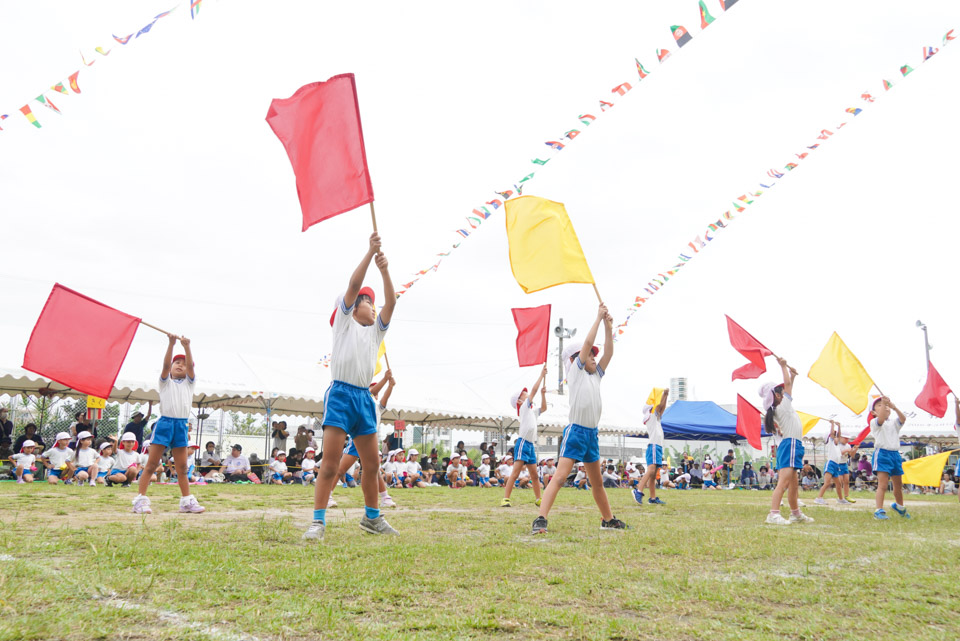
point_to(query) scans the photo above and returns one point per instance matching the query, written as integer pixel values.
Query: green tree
(246, 424)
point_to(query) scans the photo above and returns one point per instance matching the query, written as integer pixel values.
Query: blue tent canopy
(700, 421)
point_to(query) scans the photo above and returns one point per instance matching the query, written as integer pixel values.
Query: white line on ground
(176, 619)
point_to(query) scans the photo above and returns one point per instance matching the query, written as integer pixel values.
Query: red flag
(319, 127)
(933, 396)
(749, 422)
(79, 342)
(750, 348)
(862, 435)
(533, 333)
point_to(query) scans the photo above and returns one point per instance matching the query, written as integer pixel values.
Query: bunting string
(740, 203)
(482, 213)
(72, 81)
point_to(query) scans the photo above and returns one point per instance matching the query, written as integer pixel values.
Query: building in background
(678, 390)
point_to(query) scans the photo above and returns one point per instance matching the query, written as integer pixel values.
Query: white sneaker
(332, 502)
(189, 505)
(387, 501)
(844, 502)
(141, 505)
(775, 518)
(819, 501)
(801, 503)
(314, 532)
(803, 518)
(92, 483)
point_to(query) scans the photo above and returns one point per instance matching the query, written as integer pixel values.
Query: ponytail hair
(768, 417)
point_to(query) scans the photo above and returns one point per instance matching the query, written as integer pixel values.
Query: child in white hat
(308, 466)
(581, 441)
(59, 460)
(524, 450)
(86, 458)
(887, 463)
(483, 472)
(105, 462)
(414, 470)
(126, 464)
(24, 461)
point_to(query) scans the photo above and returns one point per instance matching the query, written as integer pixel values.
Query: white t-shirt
(26, 460)
(390, 467)
(308, 464)
(209, 459)
(683, 478)
(580, 475)
(125, 459)
(413, 468)
(236, 463)
(654, 429)
(528, 421)
(354, 354)
(86, 458)
(58, 457)
(105, 463)
(609, 476)
(524, 473)
(549, 470)
(484, 470)
(453, 468)
(833, 451)
(504, 470)
(786, 417)
(278, 467)
(632, 471)
(176, 396)
(886, 436)
(585, 404)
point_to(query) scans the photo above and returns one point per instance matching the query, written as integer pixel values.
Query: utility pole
(561, 332)
(926, 340)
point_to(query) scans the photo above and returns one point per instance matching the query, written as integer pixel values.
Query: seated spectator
(390, 470)
(454, 479)
(210, 460)
(631, 472)
(523, 479)
(279, 474)
(765, 478)
(696, 475)
(7, 469)
(809, 481)
(580, 480)
(549, 469)
(236, 467)
(682, 481)
(30, 433)
(665, 481)
(59, 460)
(947, 486)
(24, 462)
(415, 476)
(483, 472)
(503, 470)
(610, 478)
(748, 478)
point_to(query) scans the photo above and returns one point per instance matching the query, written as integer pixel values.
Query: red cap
(179, 357)
(363, 291)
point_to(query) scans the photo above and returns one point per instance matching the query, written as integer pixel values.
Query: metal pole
(560, 362)
(926, 344)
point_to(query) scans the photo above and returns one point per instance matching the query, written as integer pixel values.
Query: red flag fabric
(319, 127)
(862, 435)
(749, 422)
(750, 348)
(80, 342)
(533, 333)
(933, 396)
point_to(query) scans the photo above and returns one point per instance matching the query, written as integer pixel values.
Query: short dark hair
(211, 443)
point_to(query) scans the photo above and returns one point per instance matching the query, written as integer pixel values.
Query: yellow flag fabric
(808, 421)
(839, 371)
(544, 249)
(655, 395)
(927, 470)
(380, 353)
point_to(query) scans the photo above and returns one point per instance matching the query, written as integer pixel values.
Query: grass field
(76, 564)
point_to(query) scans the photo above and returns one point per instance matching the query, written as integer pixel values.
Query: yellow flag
(926, 470)
(380, 353)
(544, 250)
(839, 371)
(808, 421)
(655, 395)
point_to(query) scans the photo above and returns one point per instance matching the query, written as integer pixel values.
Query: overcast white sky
(162, 191)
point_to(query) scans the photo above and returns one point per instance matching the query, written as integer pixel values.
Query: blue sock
(320, 515)
(372, 512)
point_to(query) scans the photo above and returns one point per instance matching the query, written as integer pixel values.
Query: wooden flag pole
(597, 292)
(386, 358)
(162, 331)
(373, 216)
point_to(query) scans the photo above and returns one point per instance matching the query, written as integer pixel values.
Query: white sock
(384, 495)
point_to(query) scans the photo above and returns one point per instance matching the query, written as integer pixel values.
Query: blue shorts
(102, 475)
(484, 479)
(350, 408)
(833, 469)
(844, 469)
(708, 483)
(790, 454)
(277, 476)
(524, 451)
(580, 443)
(888, 461)
(654, 454)
(55, 473)
(170, 432)
(82, 469)
(351, 449)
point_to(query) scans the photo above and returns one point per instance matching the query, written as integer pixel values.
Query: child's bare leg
(369, 459)
(596, 487)
(649, 481)
(514, 474)
(898, 490)
(153, 459)
(180, 464)
(333, 439)
(550, 494)
(782, 483)
(534, 479)
(882, 479)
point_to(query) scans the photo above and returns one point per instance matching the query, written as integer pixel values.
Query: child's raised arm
(378, 387)
(536, 386)
(662, 406)
(607, 339)
(788, 375)
(189, 357)
(386, 395)
(356, 278)
(389, 295)
(591, 336)
(168, 357)
(903, 419)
